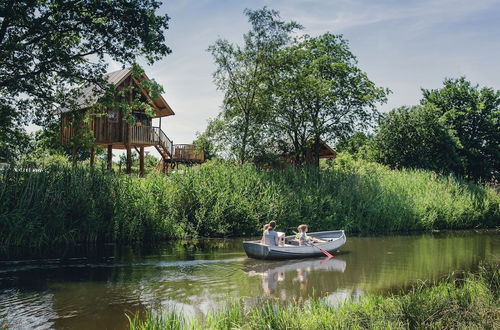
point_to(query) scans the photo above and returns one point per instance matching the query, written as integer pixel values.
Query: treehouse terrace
(112, 129)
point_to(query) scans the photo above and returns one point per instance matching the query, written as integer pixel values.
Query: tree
(204, 143)
(13, 139)
(354, 145)
(49, 47)
(241, 74)
(414, 137)
(472, 115)
(320, 94)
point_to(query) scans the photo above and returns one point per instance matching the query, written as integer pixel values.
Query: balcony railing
(152, 135)
(188, 153)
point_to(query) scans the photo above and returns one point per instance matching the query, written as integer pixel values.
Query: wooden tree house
(112, 131)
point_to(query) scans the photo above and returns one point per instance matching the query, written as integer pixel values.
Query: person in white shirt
(270, 235)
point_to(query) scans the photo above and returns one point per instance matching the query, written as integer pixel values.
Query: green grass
(73, 205)
(470, 301)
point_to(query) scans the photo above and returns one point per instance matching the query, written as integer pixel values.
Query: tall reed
(70, 205)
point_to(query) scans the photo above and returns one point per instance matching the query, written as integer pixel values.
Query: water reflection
(94, 288)
(273, 272)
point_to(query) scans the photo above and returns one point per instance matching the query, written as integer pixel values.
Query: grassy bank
(64, 205)
(468, 302)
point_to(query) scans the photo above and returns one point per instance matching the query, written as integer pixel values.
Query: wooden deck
(119, 135)
(188, 153)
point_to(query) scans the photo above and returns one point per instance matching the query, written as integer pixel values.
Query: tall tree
(47, 47)
(242, 73)
(472, 114)
(414, 137)
(321, 94)
(13, 139)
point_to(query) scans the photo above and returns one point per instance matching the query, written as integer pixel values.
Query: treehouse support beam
(110, 157)
(92, 156)
(129, 159)
(141, 162)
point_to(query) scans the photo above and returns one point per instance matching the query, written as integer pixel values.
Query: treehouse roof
(325, 151)
(92, 93)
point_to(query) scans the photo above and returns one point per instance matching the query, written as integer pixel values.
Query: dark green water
(93, 289)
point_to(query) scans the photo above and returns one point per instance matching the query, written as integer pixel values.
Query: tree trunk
(315, 152)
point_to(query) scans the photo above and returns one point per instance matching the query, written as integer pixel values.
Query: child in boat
(303, 238)
(266, 227)
(270, 236)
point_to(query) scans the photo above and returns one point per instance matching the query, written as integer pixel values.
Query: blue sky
(401, 45)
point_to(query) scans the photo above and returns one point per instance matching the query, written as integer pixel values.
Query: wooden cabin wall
(106, 131)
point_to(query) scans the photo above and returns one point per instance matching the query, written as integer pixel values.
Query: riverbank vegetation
(71, 205)
(467, 301)
(284, 95)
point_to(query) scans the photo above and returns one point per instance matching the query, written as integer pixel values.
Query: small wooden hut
(324, 152)
(112, 131)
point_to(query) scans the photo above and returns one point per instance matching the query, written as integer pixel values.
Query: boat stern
(255, 250)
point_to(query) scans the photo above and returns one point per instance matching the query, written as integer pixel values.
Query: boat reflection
(273, 272)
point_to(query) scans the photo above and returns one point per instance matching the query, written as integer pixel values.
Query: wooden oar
(325, 252)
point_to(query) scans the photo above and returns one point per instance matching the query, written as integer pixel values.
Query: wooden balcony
(188, 153)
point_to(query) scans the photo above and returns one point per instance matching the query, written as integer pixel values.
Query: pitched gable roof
(91, 94)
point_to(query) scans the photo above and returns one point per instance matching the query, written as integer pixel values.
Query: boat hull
(336, 240)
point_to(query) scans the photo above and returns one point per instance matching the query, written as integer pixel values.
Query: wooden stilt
(141, 162)
(129, 160)
(110, 157)
(92, 156)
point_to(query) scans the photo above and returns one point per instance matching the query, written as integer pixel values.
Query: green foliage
(70, 205)
(470, 302)
(414, 137)
(284, 94)
(13, 139)
(319, 93)
(354, 144)
(204, 144)
(472, 115)
(242, 72)
(45, 47)
(456, 129)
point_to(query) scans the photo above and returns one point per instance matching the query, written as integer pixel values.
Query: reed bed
(469, 301)
(75, 205)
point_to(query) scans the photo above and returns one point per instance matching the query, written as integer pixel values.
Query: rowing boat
(334, 240)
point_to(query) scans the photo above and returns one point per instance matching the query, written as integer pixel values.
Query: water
(94, 288)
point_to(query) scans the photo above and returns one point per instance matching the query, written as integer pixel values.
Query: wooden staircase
(166, 148)
(171, 154)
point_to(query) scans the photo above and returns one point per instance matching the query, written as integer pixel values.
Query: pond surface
(93, 289)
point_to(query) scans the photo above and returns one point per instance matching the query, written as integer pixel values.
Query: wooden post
(110, 157)
(92, 156)
(141, 162)
(128, 169)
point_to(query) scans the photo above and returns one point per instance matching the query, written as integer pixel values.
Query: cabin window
(112, 116)
(142, 119)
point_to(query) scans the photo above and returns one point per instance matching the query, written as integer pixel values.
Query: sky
(401, 45)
